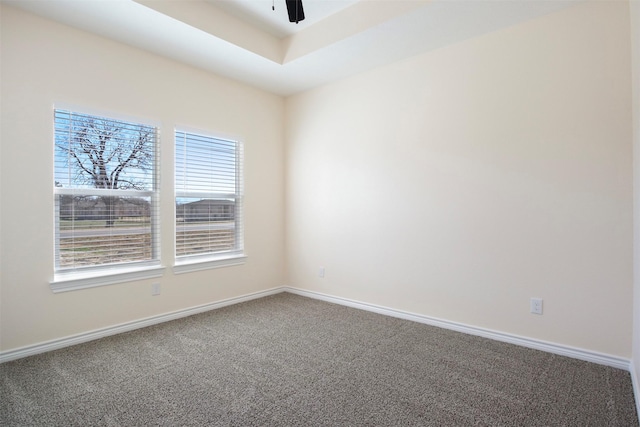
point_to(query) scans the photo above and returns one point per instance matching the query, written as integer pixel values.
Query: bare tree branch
(106, 154)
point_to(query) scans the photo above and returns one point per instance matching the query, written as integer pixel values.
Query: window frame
(210, 260)
(81, 277)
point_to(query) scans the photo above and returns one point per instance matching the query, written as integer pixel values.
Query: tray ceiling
(247, 41)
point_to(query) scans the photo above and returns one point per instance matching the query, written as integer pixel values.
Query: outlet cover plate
(536, 305)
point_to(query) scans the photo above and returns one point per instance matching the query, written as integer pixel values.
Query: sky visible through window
(96, 152)
(204, 165)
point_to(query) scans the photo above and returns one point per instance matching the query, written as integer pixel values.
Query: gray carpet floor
(287, 360)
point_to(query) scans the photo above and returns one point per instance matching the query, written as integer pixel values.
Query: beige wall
(456, 184)
(44, 63)
(460, 183)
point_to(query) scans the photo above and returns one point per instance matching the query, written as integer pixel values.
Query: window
(208, 201)
(105, 192)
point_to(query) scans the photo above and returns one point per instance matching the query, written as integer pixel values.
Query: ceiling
(260, 14)
(246, 40)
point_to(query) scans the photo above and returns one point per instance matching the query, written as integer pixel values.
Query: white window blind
(208, 197)
(106, 208)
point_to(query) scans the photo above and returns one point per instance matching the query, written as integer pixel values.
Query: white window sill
(64, 282)
(190, 265)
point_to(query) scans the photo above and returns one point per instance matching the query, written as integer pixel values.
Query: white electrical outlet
(155, 289)
(536, 305)
(321, 272)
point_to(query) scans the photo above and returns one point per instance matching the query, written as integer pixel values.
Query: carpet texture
(287, 360)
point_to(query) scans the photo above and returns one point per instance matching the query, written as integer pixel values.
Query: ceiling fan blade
(296, 12)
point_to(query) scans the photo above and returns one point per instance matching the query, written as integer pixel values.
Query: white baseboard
(576, 353)
(56, 344)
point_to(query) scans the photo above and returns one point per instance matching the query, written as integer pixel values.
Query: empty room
(319, 212)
